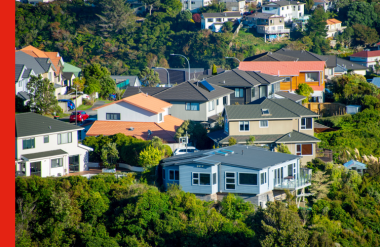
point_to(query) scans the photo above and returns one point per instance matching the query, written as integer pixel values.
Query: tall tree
(309, 4)
(364, 34)
(316, 25)
(361, 12)
(151, 4)
(98, 78)
(41, 94)
(149, 77)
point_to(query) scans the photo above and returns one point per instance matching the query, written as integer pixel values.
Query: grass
(61, 115)
(332, 121)
(83, 107)
(105, 101)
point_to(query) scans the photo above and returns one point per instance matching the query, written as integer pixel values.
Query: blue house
(254, 173)
(356, 165)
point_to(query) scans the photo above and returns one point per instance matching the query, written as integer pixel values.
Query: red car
(81, 116)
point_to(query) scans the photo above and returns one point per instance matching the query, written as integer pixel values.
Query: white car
(179, 151)
(85, 96)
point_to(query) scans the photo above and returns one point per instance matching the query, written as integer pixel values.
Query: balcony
(285, 30)
(290, 183)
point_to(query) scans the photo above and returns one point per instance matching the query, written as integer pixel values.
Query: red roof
(366, 54)
(282, 68)
(318, 88)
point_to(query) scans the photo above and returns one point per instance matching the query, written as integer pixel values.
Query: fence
(326, 109)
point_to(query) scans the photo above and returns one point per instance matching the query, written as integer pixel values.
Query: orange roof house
(332, 21)
(134, 116)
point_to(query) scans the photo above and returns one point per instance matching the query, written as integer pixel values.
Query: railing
(285, 30)
(303, 180)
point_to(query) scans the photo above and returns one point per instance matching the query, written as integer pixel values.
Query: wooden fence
(326, 109)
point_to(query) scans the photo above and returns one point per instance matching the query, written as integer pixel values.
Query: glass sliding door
(35, 169)
(74, 163)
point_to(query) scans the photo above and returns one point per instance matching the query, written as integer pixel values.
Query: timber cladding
(296, 80)
(326, 109)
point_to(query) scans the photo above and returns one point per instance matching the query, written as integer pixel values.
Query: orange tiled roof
(282, 68)
(37, 52)
(143, 101)
(333, 21)
(165, 131)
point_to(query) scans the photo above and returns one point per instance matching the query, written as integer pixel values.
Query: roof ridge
(248, 75)
(305, 134)
(285, 107)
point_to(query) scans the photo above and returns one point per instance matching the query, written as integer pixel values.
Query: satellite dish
(149, 132)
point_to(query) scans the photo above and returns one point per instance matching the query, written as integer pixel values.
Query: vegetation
(149, 77)
(231, 141)
(196, 133)
(305, 90)
(109, 155)
(282, 148)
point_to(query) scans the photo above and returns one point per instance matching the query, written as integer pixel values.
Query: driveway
(92, 114)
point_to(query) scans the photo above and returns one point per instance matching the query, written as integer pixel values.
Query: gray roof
(29, 124)
(292, 96)
(67, 75)
(350, 65)
(297, 137)
(320, 126)
(26, 73)
(261, 15)
(45, 63)
(18, 70)
(270, 56)
(129, 91)
(331, 60)
(278, 109)
(179, 75)
(240, 78)
(376, 81)
(29, 62)
(284, 3)
(252, 157)
(223, 14)
(44, 154)
(23, 95)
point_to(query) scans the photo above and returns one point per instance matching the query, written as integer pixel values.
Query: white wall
(287, 12)
(218, 108)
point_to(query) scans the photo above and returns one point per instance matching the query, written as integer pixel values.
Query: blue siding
(185, 177)
(243, 189)
(167, 182)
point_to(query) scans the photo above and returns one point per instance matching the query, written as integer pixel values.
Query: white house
(287, 9)
(194, 5)
(215, 21)
(326, 4)
(366, 58)
(234, 5)
(48, 147)
(334, 27)
(22, 77)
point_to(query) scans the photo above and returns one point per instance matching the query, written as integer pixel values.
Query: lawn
(83, 107)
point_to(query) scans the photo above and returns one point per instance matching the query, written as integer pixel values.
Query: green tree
(316, 25)
(214, 70)
(150, 157)
(250, 140)
(110, 155)
(149, 77)
(98, 78)
(79, 83)
(282, 148)
(364, 34)
(309, 4)
(227, 26)
(361, 12)
(41, 94)
(151, 4)
(304, 90)
(231, 141)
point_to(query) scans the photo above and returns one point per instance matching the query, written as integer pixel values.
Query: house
(234, 5)
(366, 58)
(287, 9)
(194, 5)
(300, 23)
(295, 72)
(73, 69)
(325, 4)
(215, 21)
(356, 166)
(247, 85)
(251, 172)
(334, 27)
(376, 81)
(22, 77)
(68, 79)
(191, 100)
(141, 116)
(292, 96)
(345, 66)
(123, 81)
(271, 122)
(48, 147)
(270, 25)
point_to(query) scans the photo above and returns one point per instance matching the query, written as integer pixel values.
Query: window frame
(199, 178)
(217, 101)
(300, 144)
(211, 105)
(304, 126)
(225, 180)
(307, 77)
(190, 104)
(174, 175)
(225, 100)
(244, 125)
(48, 139)
(112, 114)
(31, 146)
(265, 178)
(260, 126)
(70, 139)
(240, 92)
(257, 178)
(59, 166)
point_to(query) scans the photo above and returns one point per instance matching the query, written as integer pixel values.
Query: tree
(231, 141)
(98, 79)
(250, 140)
(282, 148)
(365, 34)
(361, 12)
(377, 66)
(197, 18)
(346, 37)
(227, 26)
(172, 7)
(151, 3)
(41, 94)
(304, 90)
(79, 83)
(149, 77)
(316, 25)
(150, 157)
(110, 155)
(309, 5)
(214, 70)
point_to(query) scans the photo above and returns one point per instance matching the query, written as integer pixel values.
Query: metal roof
(29, 62)
(350, 65)
(44, 154)
(296, 137)
(292, 96)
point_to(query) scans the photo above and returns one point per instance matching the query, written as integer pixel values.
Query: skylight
(265, 111)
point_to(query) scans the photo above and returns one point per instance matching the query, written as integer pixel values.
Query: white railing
(277, 31)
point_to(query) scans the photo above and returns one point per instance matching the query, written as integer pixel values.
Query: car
(81, 116)
(84, 96)
(180, 151)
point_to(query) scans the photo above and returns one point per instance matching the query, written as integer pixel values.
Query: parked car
(81, 116)
(70, 103)
(179, 151)
(85, 96)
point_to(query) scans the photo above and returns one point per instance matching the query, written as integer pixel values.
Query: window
(287, 79)
(211, 105)
(192, 106)
(35, 168)
(280, 27)
(263, 91)
(195, 178)
(225, 100)
(192, 2)
(230, 180)
(312, 76)
(160, 117)
(217, 102)
(56, 163)
(280, 20)
(263, 178)
(113, 116)
(282, 8)
(46, 139)
(239, 92)
(264, 124)
(299, 7)
(304, 149)
(214, 178)
(273, 28)
(28, 143)
(290, 170)
(266, 8)
(247, 179)
(64, 138)
(287, 7)
(253, 92)
(218, 19)
(201, 178)
(173, 175)
(244, 125)
(74, 163)
(163, 174)
(210, 19)
(306, 123)
(271, 21)
(265, 111)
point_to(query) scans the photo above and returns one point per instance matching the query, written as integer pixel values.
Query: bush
(167, 151)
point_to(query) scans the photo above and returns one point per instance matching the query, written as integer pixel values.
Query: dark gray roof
(28, 124)
(292, 96)
(223, 14)
(129, 91)
(320, 126)
(44, 154)
(278, 109)
(67, 75)
(209, 71)
(23, 95)
(297, 137)
(29, 62)
(179, 75)
(45, 63)
(269, 56)
(26, 73)
(261, 15)
(252, 157)
(331, 60)
(350, 65)
(18, 70)
(283, 3)
(240, 78)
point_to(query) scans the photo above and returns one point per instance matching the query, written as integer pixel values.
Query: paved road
(89, 111)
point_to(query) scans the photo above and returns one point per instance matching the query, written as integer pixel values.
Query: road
(89, 111)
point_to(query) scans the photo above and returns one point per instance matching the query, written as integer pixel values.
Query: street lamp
(166, 72)
(233, 58)
(186, 60)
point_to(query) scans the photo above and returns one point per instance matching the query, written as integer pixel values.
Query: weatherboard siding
(167, 181)
(127, 112)
(185, 178)
(274, 127)
(244, 189)
(296, 80)
(178, 110)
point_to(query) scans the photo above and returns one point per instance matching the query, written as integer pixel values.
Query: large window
(35, 168)
(247, 178)
(230, 180)
(264, 124)
(244, 125)
(46, 139)
(201, 178)
(225, 100)
(74, 163)
(239, 92)
(312, 76)
(263, 178)
(214, 178)
(218, 19)
(306, 123)
(174, 175)
(290, 170)
(113, 116)
(210, 19)
(253, 92)
(211, 105)
(64, 138)
(28, 143)
(304, 149)
(56, 163)
(192, 106)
